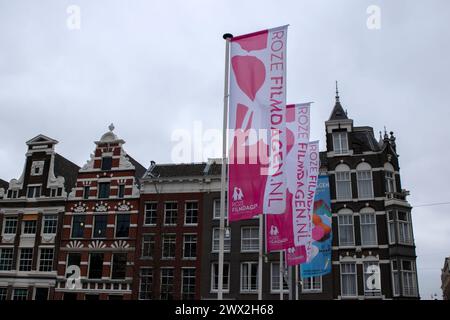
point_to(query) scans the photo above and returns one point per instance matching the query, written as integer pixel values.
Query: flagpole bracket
(227, 36)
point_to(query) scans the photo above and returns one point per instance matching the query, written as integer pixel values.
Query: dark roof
(67, 169)
(4, 184)
(178, 170)
(140, 169)
(338, 112)
(363, 139)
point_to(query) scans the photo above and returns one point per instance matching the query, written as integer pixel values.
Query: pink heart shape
(250, 74)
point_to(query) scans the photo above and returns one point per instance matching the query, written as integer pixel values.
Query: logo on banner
(237, 194)
(274, 231)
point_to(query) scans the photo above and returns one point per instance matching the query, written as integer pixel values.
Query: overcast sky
(152, 67)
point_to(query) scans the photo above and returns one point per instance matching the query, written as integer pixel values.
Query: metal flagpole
(291, 288)
(261, 253)
(223, 184)
(281, 275)
(296, 282)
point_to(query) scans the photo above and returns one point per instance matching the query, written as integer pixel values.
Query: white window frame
(166, 210)
(182, 278)
(148, 210)
(4, 224)
(251, 239)
(363, 212)
(388, 168)
(172, 235)
(356, 279)
(395, 271)
(29, 259)
(340, 142)
(10, 260)
(226, 286)
(341, 213)
(142, 246)
(186, 211)
(408, 224)
(14, 293)
(392, 238)
(276, 273)
(216, 210)
(140, 281)
(161, 282)
(309, 283)
(184, 246)
(40, 259)
(23, 228)
(364, 169)
(413, 274)
(34, 186)
(45, 219)
(343, 169)
(214, 240)
(248, 277)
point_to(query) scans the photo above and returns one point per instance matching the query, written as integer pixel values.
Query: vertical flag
(302, 207)
(279, 228)
(320, 259)
(256, 169)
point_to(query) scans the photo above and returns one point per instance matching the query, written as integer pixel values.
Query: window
(409, 278)
(6, 259)
(249, 239)
(364, 181)
(95, 265)
(191, 215)
(100, 222)
(188, 284)
(146, 284)
(170, 213)
(395, 278)
(368, 227)
(41, 294)
(46, 259)
(275, 279)
(389, 177)
(215, 240)
(106, 163)
(78, 226)
(404, 227)
(148, 246)
(343, 182)
(29, 227)
(190, 246)
(20, 294)
(372, 279)
(121, 190)
(217, 209)
(150, 213)
(119, 266)
(86, 191)
(10, 225)
(249, 277)
(312, 284)
(348, 280)
(37, 168)
(340, 142)
(103, 190)
(215, 277)
(391, 225)
(168, 248)
(122, 225)
(26, 259)
(3, 293)
(73, 259)
(345, 225)
(166, 284)
(13, 194)
(34, 192)
(50, 224)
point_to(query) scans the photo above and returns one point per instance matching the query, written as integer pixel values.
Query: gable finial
(111, 127)
(337, 92)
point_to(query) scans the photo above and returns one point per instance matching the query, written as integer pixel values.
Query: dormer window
(106, 163)
(13, 194)
(389, 178)
(103, 190)
(340, 142)
(34, 192)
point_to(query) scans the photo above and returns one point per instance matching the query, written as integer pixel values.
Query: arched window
(368, 228)
(343, 182)
(345, 228)
(389, 177)
(364, 179)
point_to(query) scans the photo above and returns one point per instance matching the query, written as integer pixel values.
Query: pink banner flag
(279, 228)
(256, 170)
(302, 253)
